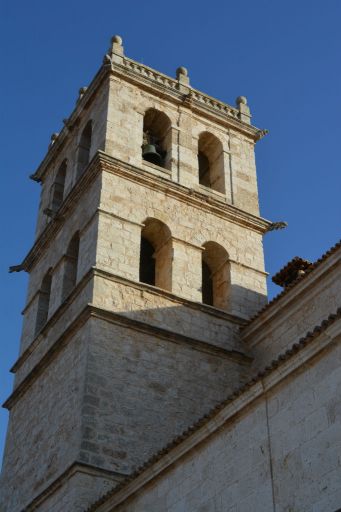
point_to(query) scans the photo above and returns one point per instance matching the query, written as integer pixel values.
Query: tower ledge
(104, 162)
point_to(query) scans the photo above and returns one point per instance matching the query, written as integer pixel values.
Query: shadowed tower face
(142, 272)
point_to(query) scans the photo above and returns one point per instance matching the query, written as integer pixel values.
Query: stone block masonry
(141, 275)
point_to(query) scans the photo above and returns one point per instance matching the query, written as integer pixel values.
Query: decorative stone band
(91, 310)
(182, 193)
(194, 95)
(72, 470)
(321, 338)
(103, 162)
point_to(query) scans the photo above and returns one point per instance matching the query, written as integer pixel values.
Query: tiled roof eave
(292, 285)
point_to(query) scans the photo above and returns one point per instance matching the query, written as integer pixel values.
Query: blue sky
(283, 55)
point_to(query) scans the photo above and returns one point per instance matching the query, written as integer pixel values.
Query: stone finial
(116, 50)
(183, 79)
(53, 139)
(181, 71)
(244, 109)
(117, 39)
(81, 92)
(241, 100)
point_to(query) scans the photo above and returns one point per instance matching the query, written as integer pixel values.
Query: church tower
(147, 261)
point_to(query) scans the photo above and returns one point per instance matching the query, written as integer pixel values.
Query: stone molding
(103, 162)
(144, 76)
(210, 310)
(101, 211)
(119, 319)
(184, 194)
(70, 123)
(189, 244)
(148, 76)
(154, 290)
(322, 339)
(69, 204)
(194, 100)
(51, 321)
(175, 337)
(240, 264)
(76, 467)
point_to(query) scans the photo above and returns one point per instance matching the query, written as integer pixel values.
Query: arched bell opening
(215, 276)
(157, 143)
(211, 162)
(71, 266)
(156, 254)
(84, 147)
(57, 192)
(43, 301)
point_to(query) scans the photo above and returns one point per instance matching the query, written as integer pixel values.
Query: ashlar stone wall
(149, 361)
(83, 220)
(125, 207)
(141, 390)
(281, 453)
(44, 431)
(128, 104)
(95, 112)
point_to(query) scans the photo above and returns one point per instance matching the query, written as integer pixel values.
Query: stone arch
(43, 301)
(58, 187)
(216, 280)
(211, 162)
(156, 254)
(84, 147)
(157, 132)
(70, 266)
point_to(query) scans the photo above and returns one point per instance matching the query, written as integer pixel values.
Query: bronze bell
(149, 153)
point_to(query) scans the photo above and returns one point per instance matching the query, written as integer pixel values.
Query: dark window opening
(207, 285)
(71, 266)
(204, 170)
(58, 188)
(43, 302)
(147, 262)
(216, 277)
(211, 162)
(84, 149)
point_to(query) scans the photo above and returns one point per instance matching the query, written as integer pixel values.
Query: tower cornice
(153, 81)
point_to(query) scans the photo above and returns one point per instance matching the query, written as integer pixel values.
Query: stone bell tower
(147, 260)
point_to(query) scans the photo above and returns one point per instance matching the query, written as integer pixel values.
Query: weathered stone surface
(115, 369)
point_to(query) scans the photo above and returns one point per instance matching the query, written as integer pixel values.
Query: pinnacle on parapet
(117, 39)
(181, 71)
(244, 109)
(241, 100)
(183, 79)
(53, 138)
(81, 93)
(116, 51)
